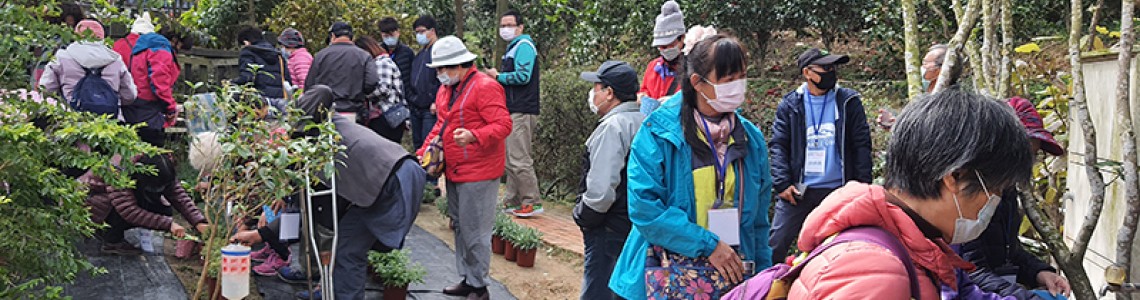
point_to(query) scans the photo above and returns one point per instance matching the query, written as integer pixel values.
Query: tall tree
(501, 7)
(966, 24)
(912, 58)
(460, 18)
(1004, 65)
(1127, 232)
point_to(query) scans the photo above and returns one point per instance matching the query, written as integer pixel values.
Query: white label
(290, 225)
(725, 224)
(815, 162)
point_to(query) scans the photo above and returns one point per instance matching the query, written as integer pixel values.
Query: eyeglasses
(508, 25)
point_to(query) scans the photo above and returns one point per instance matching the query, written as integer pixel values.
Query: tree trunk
(941, 16)
(969, 17)
(1127, 232)
(913, 58)
(1004, 72)
(989, 39)
(975, 58)
(460, 18)
(501, 7)
(1096, 12)
(1071, 265)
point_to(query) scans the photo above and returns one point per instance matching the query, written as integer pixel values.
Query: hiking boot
(527, 210)
(261, 255)
(461, 289)
(271, 265)
(288, 275)
(120, 248)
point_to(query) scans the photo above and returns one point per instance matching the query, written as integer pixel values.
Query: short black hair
(250, 34)
(426, 21)
(465, 65)
(515, 13)
(388, 25)
(72, 10)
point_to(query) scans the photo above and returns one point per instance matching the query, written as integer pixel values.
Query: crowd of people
(676, 186)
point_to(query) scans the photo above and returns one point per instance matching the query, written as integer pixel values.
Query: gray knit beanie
(670, 24)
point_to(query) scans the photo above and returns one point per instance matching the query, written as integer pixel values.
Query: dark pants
(150, 113)
(117, 226)
(789, 220)
(380, 126)
(603, 246)
(422, 123)
(387, 221)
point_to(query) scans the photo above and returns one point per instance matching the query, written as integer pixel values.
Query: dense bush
(563, 127)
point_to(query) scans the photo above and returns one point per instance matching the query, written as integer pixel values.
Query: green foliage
(396, 268)
(221, 19)
(502, 225)
(24, 29)
(260, 162)
(524, 238)
(560, 139)
(313, 18)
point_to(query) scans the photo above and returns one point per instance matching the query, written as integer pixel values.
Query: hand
(491, 72)
(433, 108)
(464, 137)
(886, 119)
(177, 230)
(247, 237)
(725, 260)
(277, 206)
(641, 95)
(171, 118)
(1056, 284)
(789, 194)
(202, 228)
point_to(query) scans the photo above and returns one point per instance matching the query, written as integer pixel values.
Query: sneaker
(270, 266)
(510, 209)
(289, 275)
(120, 248)
(261, 255)
(527, 210)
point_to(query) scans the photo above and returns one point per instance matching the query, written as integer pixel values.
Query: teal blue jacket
(661, 199)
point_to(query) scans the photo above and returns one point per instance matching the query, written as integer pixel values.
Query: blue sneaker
(289, 275)
(306, 295)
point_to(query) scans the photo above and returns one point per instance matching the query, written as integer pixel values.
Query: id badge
(725, 224)
(815, 161)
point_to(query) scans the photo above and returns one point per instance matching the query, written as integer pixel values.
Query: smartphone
(799, 194)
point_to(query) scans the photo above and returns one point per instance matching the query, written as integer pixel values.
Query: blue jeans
(603, 246)
(422, 123)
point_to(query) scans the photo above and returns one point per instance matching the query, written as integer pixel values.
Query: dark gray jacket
(346, 69)
(366, 163)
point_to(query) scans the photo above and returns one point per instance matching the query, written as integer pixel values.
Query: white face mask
(507, 33)
(729, 96)
(391, 41)
(422, 39)
(590, 102)
(444, 79)
(966, 230)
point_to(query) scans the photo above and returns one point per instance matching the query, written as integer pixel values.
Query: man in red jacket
(150, 58)
(473, 123)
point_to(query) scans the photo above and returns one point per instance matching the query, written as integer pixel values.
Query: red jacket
(864, 270)
(482, 109)
(653, 84)
(151, 60)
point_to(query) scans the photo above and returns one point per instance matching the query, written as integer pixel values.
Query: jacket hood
(153, 42)
(90, 54)
(264, 50)
(520, 38)
(858, 204)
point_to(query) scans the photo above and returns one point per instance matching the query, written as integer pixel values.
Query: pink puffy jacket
(863, 270)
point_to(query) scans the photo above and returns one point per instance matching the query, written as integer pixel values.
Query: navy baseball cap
(618, 75)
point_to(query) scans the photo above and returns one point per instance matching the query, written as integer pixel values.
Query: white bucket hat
(449, 51)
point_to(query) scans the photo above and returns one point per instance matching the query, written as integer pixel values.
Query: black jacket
(998, 250)
(423, 83)
(789, 139)
(268, 77)
(403, 56)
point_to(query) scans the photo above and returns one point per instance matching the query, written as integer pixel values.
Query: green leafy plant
(502, 224)
(395, 268)
(525, 238)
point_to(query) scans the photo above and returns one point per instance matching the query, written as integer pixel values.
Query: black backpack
(93, 94)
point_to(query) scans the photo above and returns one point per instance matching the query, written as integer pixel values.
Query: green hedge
(563, 127)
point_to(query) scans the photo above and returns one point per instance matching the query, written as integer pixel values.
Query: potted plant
(395, 271)
(510, 237)
(498, 243)
(529, 239)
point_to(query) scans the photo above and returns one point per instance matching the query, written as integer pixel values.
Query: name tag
(816, 160)
(725, 224)
(290, 225)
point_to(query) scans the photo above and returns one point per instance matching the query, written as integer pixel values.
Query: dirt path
(557, 274)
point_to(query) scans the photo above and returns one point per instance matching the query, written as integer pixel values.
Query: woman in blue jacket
(679, 177)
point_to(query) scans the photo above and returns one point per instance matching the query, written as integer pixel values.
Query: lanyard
(815, 123)
(720, 166)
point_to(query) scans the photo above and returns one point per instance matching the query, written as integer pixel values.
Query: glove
(586, 217)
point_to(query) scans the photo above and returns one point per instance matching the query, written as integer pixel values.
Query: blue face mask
(391, 41)
(422, 39)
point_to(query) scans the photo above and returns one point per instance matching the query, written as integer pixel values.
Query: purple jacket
(63, 73)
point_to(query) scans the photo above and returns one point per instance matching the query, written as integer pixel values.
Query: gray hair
(955, 132)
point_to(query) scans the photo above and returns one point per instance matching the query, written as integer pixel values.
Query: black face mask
(827, 80)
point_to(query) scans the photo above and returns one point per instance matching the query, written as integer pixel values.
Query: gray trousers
(472, 207)
(522, 184)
